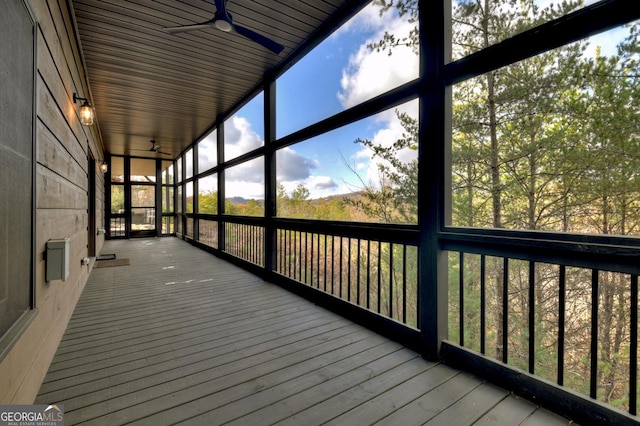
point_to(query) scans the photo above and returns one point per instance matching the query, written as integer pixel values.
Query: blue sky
(338, 74)
(341, 72)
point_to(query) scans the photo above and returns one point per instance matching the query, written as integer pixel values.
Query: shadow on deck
(181, 336)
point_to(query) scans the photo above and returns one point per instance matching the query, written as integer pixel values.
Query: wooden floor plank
(544, 418)
(182, 336)
(377, 408)
(287, 406)
(471, 407)
(510, 411)
(197, 398)
(326, 409)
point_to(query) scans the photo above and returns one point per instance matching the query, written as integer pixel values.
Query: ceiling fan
(154, 148)
(222, 21)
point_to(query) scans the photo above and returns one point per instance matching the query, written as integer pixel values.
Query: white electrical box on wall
(57, 259)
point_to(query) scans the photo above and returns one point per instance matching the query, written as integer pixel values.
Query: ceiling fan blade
(260, 39)
(183, 28)
(164, 153)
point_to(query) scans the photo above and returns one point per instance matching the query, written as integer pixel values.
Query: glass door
(143, 210)
(143, 197)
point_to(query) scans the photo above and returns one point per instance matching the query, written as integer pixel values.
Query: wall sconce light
(104, 166)
(87, 113)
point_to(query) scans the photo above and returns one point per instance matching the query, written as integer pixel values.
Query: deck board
(182, 336)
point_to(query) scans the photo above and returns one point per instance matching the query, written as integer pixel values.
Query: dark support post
(270, 190)
(562, 282)
(107, 197)
(158, 196)
(221, 195)
(432, 157)
(196, 190)
(127, 197)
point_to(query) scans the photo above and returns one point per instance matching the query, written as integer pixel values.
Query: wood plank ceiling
(147, 84)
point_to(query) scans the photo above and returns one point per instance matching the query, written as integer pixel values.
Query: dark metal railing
(378, 275)
(208, 232)
(569, 323)
(245, 241)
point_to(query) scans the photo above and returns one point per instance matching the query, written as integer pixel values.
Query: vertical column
(433, 155)
(196, 221)
(270, 190)
(221, 195)
(107, 196)
(158, 197)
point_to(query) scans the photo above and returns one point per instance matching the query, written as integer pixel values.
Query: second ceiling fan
(222, 21)
(154, 148)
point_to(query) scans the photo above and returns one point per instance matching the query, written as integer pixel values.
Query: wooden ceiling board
(146, 83)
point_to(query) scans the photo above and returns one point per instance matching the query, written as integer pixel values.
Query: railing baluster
(341, 268)
(593, 388)
(562, 302)
(295, 253)
(461, 297)
(349, 272)
(368, 279)
(379, 275)
(358, 275)
(391, 275)
(532, 316)
(324, 274)
(300, 255)
(505, 310)
(311, 262)
(288, 250)
(404, 283)
(633, 360)
(306, 252)
(483, 304)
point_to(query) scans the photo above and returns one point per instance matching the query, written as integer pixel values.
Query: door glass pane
(143, 196)
(143, 212)
(143, 219)
(117, 199)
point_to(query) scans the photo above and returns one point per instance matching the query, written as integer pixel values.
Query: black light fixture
(87, 113)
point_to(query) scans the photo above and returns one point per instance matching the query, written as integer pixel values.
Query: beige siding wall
(62, 200)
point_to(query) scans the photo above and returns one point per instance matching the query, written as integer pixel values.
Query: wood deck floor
(180, 336)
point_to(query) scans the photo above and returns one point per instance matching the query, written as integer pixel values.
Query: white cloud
(239, 137)
(391, 130)
(321, 183)
(292, 166)
(368, 19)
(370, 73)
(248, 190)
(247, 172)
(295, 169)
(207, 152)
